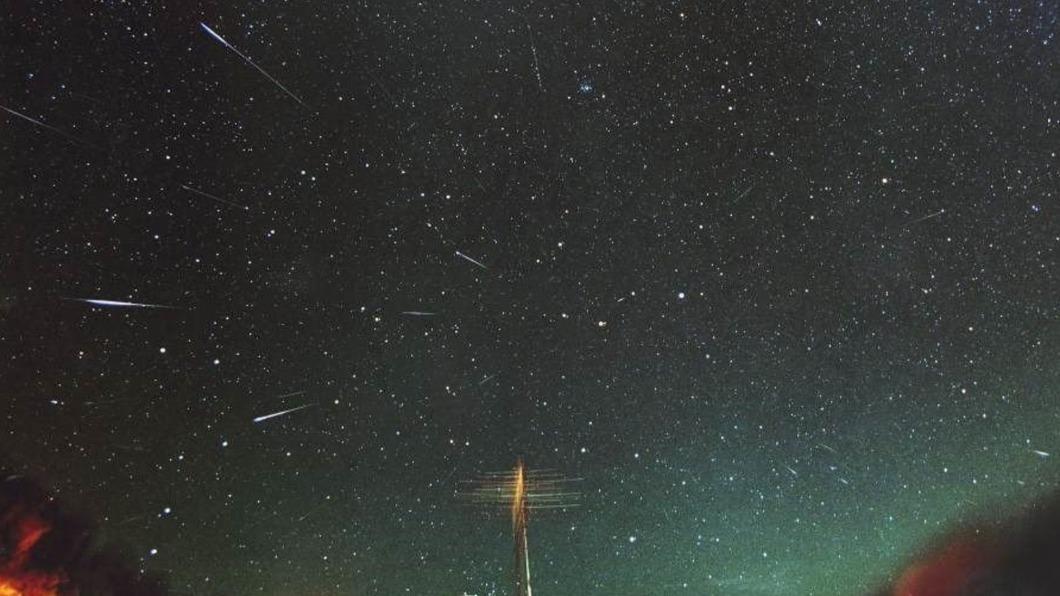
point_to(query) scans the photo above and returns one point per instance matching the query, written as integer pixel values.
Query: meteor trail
(467, 258)
(533, 48)
(744, 193)
(292, 394)
(41, 124)
(213, 197)
(1041, 454)
(218, 37)
(417, 313)
(280, 413)
(926, 217)
(119, 303)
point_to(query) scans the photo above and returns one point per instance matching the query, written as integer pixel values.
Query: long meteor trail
(218, 37)
(926, 217)
(469, 259)
(203, 193)
(280, 413)
(41, 124)
(120, 303)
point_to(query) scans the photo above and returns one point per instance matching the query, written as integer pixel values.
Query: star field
(777, 281)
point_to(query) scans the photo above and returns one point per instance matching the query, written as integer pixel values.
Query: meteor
(469, 259)
(417, 313)
(744, 193)
(215, 35)
(120, 303)
(926, 217)
(41, 124)
(218, 37)
(203, 193)
(280, 413)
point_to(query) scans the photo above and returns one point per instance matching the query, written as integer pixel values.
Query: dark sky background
(777, 280)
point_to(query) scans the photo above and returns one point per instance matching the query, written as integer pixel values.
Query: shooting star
(467, 258)
(43, 125)
(417, 313)
(131, 519)
(280, 413)
(533, 49)
(120, 304)
(202, 193)
(792, 470)
(105, 402)
(312, 511)
(1041, 454)
(926, 217)
(744, 194)
(218, 37)
(291, 394)
(824, 446)
(486, 380)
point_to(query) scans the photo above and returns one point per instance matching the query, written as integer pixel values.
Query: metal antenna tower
(521, 491)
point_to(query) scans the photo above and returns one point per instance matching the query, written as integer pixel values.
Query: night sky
(777, 280)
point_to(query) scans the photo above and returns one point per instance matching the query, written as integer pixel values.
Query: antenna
(521, 491)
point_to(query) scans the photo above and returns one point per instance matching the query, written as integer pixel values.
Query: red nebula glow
(946, 573)
(17, 578)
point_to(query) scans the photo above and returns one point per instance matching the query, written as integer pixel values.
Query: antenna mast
(522, 490)
(519, 525)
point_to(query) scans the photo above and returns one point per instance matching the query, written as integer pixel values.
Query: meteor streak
(213, 197)
(41, 124)
(119, 303)
(417, 313)
(218, 37)
(926, 217)
(744, 193)
(469, 259)
(280, 413)
(533, 48)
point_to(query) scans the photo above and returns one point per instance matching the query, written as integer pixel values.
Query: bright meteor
(469, 259)
(218, 37)
(280, 413)
(215, 35)
(119, 303)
